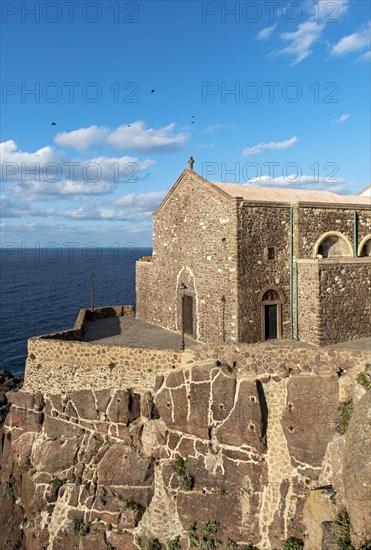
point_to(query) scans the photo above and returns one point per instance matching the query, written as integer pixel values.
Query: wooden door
(270, 321)
(188, 314)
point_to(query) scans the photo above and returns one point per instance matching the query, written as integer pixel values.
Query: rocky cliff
(213, 456)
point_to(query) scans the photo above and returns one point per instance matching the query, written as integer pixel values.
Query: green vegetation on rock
(129, 504)
(186, 481)
(78, 527)
(226, 367)
(174, 544)
(341, 530)
(56, 483)
(9, 490)
(293, 543)
(154, 544)
(364, 378)
(208, 540)
(345, 410)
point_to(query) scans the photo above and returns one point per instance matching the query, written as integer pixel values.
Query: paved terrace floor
(132, 332)
(363, 344)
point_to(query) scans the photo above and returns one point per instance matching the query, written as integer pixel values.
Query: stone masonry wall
(60, 365)
(345, 300)
(334, 300)
(246, 443)
(314, 221)
(195, 242)
(144, 289)
(261, 227)
(309, 311)
(57, 366)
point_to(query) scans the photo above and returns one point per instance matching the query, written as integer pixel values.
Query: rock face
(8, 382)
(214, 453)
(356, 469)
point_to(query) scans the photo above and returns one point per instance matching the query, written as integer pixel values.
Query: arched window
(270, 296)
(333, 245)
(365, 247)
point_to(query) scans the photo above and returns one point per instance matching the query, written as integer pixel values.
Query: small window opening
(271, 253)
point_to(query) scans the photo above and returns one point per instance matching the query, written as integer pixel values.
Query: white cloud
(48, 174)
(353, 42)
(11, 208)
(341, 118)
(132, 136)
(294, 181)
(83, 138)
(327, 11)
(301, 41)
(364, 57)
(9, 153)
(256, 149)
(131, 207)
(214, 127)
(265, 33)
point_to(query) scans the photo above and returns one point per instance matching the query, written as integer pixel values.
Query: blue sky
(272, 93)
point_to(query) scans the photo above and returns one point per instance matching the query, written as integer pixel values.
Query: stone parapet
(58, 366)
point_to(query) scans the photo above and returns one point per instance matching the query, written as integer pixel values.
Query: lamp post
(182, 287)
(92, 291)
(224, 299)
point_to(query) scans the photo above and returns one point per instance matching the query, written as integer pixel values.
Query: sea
(42, 290)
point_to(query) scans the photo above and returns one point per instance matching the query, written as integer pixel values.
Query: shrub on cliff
(208, 540)
(186, 481)
(79, 528)
(341, 530)
(345, 410)
(174, 544)
(292, 544)
(364, 378)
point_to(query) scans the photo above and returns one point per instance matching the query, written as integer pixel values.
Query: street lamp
(224, 299)
(182, 287)
(92, 291)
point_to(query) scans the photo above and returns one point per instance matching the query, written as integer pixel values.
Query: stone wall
(195, 242)
(314, 221)
(334, 300)
(144, 289)
(345, 300)
(255, 425)
(77, 332)
(55, 365)
(309, 310)
(261, 227)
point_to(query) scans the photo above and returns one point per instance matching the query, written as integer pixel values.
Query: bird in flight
(152, 91)
(54, 124)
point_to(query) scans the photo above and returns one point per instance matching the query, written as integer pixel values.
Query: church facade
(237, 263)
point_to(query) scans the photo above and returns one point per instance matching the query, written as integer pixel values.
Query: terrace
(131, 332)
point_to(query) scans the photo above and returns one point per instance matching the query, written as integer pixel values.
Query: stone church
(238, 263)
